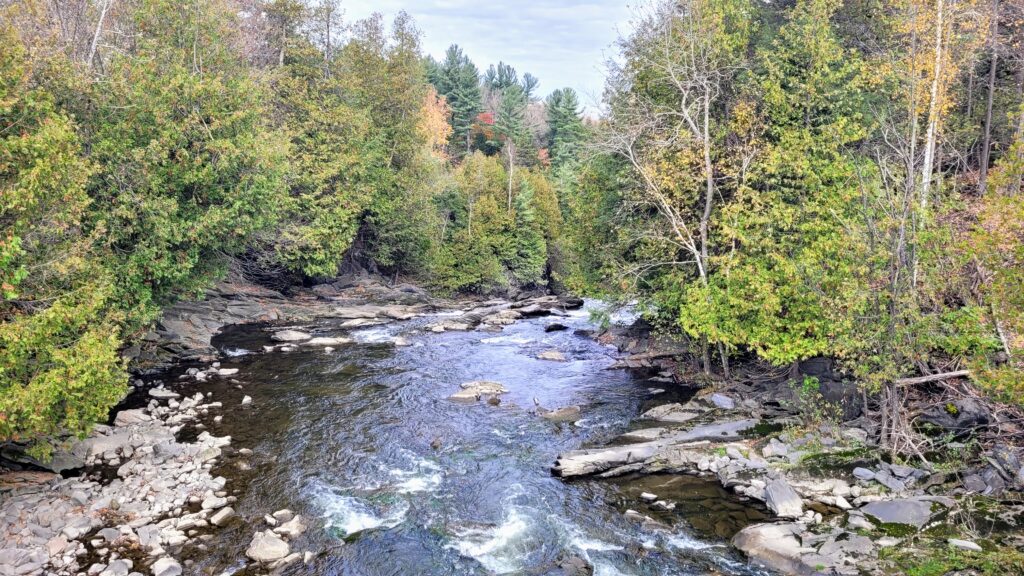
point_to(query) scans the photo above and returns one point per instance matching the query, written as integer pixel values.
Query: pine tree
(458, 80)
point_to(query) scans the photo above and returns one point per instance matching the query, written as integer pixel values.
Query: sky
(561, 42)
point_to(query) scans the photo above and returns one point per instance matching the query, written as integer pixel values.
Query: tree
(565, 126)
(458, 80)
(59, 324)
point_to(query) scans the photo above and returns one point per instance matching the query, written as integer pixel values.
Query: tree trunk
(1019, 136)
(99, 31)
(511, 166)
(933, 107)
(986, 143)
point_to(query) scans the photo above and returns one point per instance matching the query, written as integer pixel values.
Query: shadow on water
(397, 479)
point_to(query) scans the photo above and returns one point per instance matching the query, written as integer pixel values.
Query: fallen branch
(932, 378)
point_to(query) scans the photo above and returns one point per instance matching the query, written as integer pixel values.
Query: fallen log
(932, 378)
(598, 460)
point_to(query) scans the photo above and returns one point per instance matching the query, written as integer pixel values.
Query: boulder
(555, 327)
(960, 416)
(267, 547)
(781, 499)
(722, 401)
(292, 528)
(908, 511)
(551, 355)
(473, 391)
(774, 546)
(129, 417)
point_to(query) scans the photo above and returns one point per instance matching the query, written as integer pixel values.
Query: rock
(326, 341)
(960, 416)
(773, 546)
(292, 528)
(472, 391)
(574, 566)
(675, 412)
(283, 515)
(267, 547)
(783, 500)
(163, 394)
(648, 497)
(246, 400)
(166, 567)
(859, 522)
(129, 417)
(775, 448)
(856, 435)
(908, 511)
(974, 483)
(117, 568)
(847, 544)
(863, 474)
(722, 401)
(213, 503)
(290, 336)
(222, 516)
(227, 371)
(886, 479)
(551, 355)
(964, 544)
(900, 471)
(567, 414)
(555, 327)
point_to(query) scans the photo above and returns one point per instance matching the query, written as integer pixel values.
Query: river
(398, 480)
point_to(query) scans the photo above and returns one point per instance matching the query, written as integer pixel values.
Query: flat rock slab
(780, 498)
(774, 546)
(267, 547)
(907, 511)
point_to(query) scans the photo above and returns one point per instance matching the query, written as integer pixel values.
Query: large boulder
(780, 498)
(774, 546)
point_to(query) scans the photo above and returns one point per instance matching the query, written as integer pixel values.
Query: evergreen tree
(458, 80)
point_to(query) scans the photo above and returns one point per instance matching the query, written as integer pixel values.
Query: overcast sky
(561, 42)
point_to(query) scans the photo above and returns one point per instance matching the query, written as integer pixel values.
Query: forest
(772, 181)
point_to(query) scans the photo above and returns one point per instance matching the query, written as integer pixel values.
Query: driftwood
(598, 460)
(933, 378)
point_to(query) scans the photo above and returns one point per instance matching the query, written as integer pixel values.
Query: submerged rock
(473, 391)
(551, 355)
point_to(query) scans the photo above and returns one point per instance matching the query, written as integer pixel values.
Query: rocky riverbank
(842, 506)
(146, 495)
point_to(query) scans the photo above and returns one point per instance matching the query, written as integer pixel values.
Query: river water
(397, 479)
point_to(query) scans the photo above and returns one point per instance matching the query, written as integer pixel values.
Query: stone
(246, 400)
(886, 479)
(222, 516)
(859, 522)
(166, 567)
(214, 502)
(964, 544)
(566, 414)
(674, 412)
(283, 515)
(900, 471)
(961, 416)
(908, 511)
(863, 474)
(552, 355)
(290, 336)
(472, 391)
(129, 417)
(648, 497)
(117, 568)
(555, 327)
(292, 528)
(227, 371)
(780, 498)
(846, 543)
(267, 547)
(722, 401)
(327, 341)
(773, 546)
(775, 448)
(163, 394)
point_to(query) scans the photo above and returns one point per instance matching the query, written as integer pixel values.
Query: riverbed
(398, 479)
